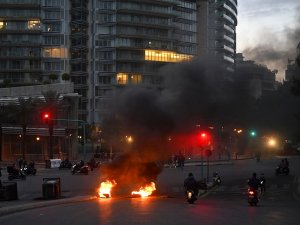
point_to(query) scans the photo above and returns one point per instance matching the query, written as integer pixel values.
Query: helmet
(191, 175)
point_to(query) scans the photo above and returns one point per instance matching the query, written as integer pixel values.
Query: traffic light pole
(82, 123)
(50, 139)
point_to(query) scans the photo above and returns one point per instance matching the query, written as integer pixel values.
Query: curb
(27, 206)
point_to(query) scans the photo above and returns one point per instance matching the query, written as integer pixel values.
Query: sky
(268, 32)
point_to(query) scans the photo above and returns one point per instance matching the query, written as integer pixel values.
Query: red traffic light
(46, 117)
(204, 138)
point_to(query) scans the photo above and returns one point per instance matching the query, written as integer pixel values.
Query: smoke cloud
(191, 94)
(276, 53)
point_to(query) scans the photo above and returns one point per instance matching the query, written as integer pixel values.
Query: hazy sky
(268, 31)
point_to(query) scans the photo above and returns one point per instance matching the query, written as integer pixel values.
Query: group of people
(177, 160)
(284, 164)
(190, 183)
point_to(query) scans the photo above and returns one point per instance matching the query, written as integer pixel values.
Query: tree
(22, 113)
(53, 76)
(65, 76)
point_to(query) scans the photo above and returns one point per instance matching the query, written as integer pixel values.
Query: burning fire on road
(145, 191)
(105, 188)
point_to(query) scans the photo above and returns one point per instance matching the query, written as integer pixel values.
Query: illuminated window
(1, 25)
(136, 78)
(122, 78)
(166, 56)
(55, 52)
(34, 24)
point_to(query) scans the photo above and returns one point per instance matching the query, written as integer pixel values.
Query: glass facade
(133, 39)
(106, 45)
(32, 40)
(222, 19)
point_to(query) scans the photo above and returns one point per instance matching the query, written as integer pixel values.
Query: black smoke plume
(190, 94)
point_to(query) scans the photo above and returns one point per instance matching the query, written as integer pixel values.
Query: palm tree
(22, 113)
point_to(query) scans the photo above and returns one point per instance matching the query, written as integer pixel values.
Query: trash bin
(9, 191)
(51, 188)
(52, 163)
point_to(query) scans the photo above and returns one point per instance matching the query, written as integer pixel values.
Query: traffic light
(46, 117)
(204, 138)
(253, 133)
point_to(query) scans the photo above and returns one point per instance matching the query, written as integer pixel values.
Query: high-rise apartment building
(33, 40)
(217, 21)
(106, 45)
(133, 39)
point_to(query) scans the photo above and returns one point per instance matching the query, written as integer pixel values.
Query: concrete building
(260, 80)
(107, 45)
(293, 67)
(132, 40)
(217, 30)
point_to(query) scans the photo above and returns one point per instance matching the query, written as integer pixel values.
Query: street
(226, 204)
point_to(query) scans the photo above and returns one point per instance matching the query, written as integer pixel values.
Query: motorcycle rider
(190, 183)
(253, 182)
(262, 183)
(284, 164)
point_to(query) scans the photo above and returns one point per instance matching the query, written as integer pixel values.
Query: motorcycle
(15, 174)
(252, 196)
(66, 164)
(28, 170)
(216, 179)
(282, 170)
(191, 196)
(77, 169)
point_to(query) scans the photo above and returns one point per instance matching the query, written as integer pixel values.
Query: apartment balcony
(23, 70)
(166, 26)
(28, 4)
(226, 49)
(228, 28)
(149, 13)
(230, 10)
(20, 44)
(25, 31)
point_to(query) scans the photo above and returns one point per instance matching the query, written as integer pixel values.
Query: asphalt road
(226, 204)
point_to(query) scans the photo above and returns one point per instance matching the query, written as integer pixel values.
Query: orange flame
(146, 190)
(105, 188)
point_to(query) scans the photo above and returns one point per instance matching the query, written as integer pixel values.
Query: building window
(166, 56)
(34, 24)
(104, 79)
(135, 79)
(55, 52)
(122, 78)
(52, 27)
(100, 92)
